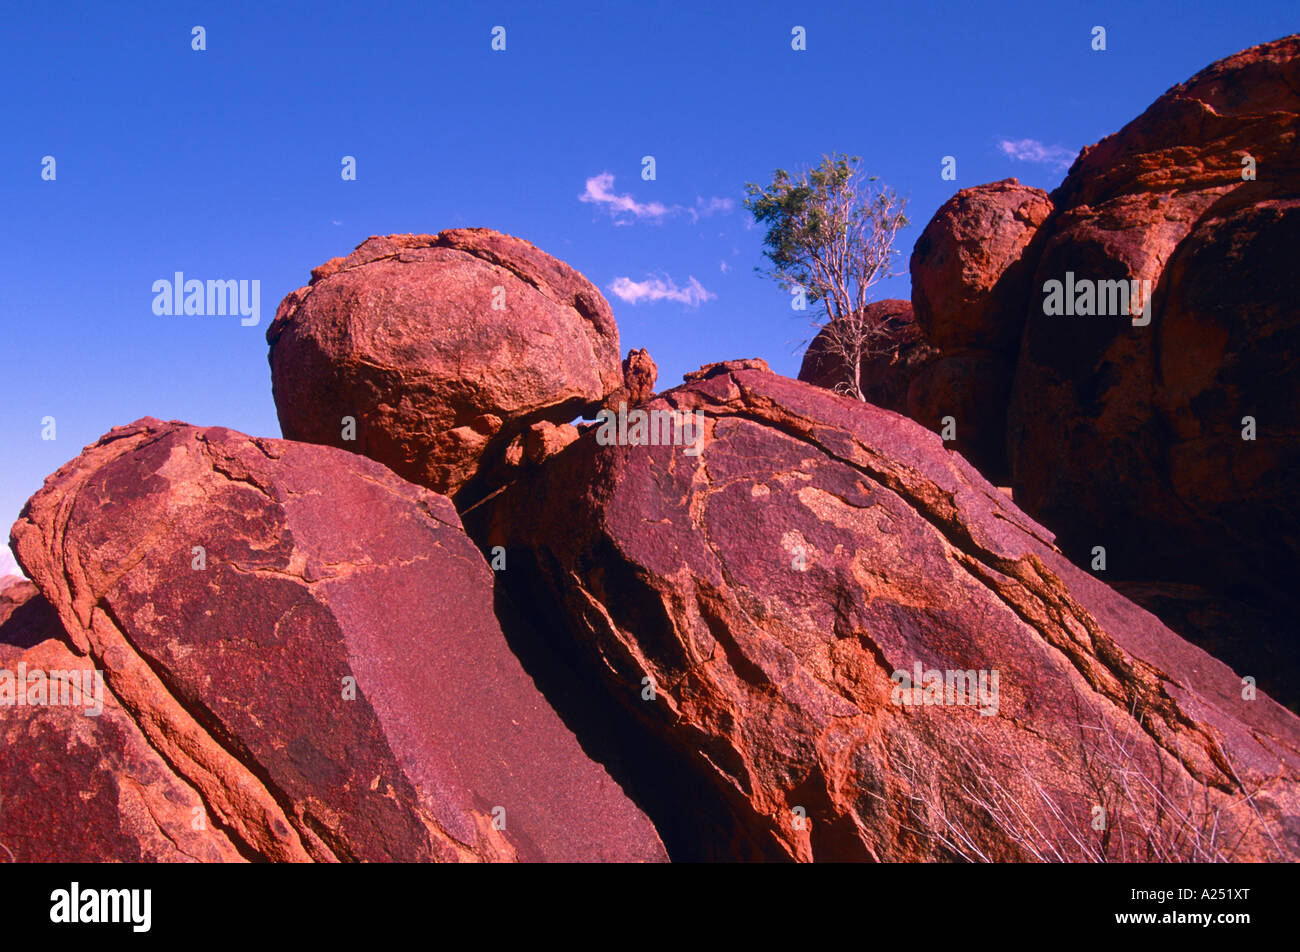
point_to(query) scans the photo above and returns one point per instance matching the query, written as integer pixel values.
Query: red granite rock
(639, 375)
(750, 606)
(441, 348)
(546, 439)
(331, 677)
(1130, 436)
(971, 266)
(78, 786)
(971, 387)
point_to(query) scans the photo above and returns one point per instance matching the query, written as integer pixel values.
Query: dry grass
(1154, 812)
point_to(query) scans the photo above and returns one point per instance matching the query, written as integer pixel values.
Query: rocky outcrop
(426, 352)
(885, 375)
(752, 606)
(1129, 435)
(309, 643)
(788, 626)
(639, 375)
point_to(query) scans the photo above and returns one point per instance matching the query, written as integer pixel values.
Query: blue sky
(226, 163)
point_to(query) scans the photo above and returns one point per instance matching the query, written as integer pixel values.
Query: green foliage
(830, 232)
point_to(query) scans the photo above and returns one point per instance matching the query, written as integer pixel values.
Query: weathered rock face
(309, 642)
(884, 377)
(440, 348)
(751, 605)
(970, 268)
(79, 783)
(1130, 437)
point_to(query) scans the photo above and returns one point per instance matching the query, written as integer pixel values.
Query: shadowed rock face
(322, 571)
(26, 618)
(1228, 347)
(1130, 437)
(1246, 635)
(440, 347)
(971, 388)
(769, 588)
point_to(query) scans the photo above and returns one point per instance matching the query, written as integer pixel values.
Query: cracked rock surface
(768, 588)
(81, 789)
(230, 680)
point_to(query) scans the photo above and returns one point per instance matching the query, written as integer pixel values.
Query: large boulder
(751, 592)
(309, 642)
(1128, 435)
(426, 352)
(971, 265)
(887, 373)
(970, 282)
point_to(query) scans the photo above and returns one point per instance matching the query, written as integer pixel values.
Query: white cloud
(660, 289)
(8, 564)
(706, 208)
(600, 190)
(1031, 150)
(724, 267)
